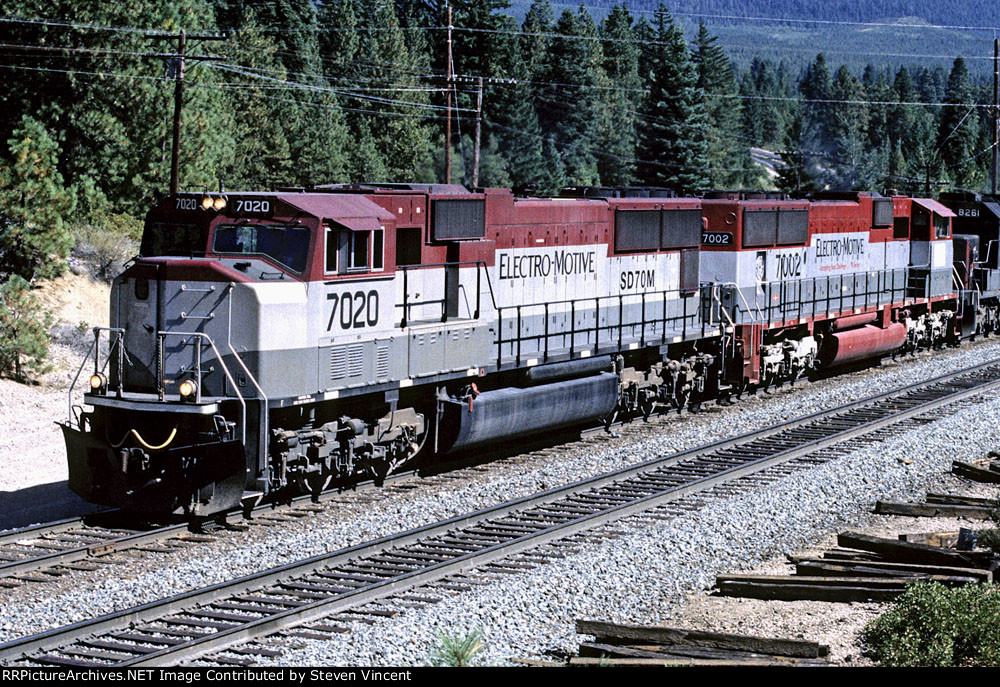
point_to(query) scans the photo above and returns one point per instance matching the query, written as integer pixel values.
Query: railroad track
(411, 568)
(47, 552)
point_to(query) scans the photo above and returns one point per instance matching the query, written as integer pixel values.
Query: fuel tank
(859, 343)
(494, 415)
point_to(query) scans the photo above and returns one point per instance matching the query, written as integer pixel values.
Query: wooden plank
(905, 552)
(819, 566)
(945, 540)
(597, 649)
(933, 510)
(664, 662)
(960, 499)
(792, 592)
(817, 581)
(671, 635)
(975, 474)
(534, 663)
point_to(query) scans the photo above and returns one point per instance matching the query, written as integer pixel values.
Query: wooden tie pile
(636, 645)
(866, 568)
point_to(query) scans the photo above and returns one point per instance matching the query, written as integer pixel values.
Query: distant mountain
(884, 33)
(949, 12)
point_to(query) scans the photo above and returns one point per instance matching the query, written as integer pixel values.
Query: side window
(357, 253)
(408, 243)
(378, 249)
(940, 227)
(332, 249)
(901, 228)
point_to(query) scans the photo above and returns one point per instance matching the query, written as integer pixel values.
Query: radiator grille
(338, 362)
(355, 359)
(382, 362)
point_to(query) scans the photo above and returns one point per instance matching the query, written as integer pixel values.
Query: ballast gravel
(635, 578)
(644, 577)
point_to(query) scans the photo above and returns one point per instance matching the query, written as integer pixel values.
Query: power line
(322, 89)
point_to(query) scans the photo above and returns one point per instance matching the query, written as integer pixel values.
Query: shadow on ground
(40, 503)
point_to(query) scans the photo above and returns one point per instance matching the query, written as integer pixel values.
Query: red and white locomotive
(266, 341)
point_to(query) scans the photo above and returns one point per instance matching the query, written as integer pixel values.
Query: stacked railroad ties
(866, 568)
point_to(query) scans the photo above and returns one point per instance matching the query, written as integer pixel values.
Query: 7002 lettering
(356, 310)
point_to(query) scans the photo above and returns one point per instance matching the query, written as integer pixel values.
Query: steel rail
(897, 405)
(126, 542)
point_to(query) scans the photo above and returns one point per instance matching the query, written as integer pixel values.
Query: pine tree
(24, 338)
(672, 146)
(958, 129)
(816, 89)
(617, 137)
(34, 238)
(569, 112)
(717, 81)
(847, 128)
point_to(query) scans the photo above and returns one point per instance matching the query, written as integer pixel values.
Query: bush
(934, 625)
(989, 539)
(455, 651)
(108, 242)
(24, 338)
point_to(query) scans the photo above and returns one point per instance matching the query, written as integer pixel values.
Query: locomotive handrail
(406, 269)
(253, 380)
(746, 305)
(95, 348)
(642, 299)
(161, 335)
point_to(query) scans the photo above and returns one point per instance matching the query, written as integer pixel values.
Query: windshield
(286, 244)
(169, 238)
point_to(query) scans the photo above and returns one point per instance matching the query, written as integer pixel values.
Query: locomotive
(287, 340)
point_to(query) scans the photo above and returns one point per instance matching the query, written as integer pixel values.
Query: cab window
(354, 251)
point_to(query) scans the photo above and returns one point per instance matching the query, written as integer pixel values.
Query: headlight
(98, 383)
(207, 202)
(219, 203)
(188, 390)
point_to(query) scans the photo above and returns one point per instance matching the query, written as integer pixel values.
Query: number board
(237, 207)
(255, 207)
(716, 238)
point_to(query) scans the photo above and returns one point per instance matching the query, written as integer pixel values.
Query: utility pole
(479, 120)
(176, 72)
(447, 125)
(996, 114)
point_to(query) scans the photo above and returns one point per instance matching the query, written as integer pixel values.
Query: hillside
(905, 32)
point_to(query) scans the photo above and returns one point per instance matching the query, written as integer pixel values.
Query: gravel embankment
(704, 540)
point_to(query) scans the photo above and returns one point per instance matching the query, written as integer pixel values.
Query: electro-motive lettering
(561, 263)
(845, 247)
(353, 311)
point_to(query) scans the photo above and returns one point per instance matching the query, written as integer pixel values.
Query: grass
(457, 651)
